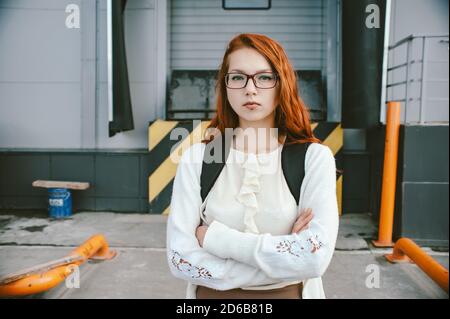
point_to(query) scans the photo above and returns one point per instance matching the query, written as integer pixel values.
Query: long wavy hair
(291, 114)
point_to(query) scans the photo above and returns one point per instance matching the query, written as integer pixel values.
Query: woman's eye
(265, 78)
(237, 78)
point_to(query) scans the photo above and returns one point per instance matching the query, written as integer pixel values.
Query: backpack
(292, 164)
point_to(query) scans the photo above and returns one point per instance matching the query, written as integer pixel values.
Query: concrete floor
(140, 269)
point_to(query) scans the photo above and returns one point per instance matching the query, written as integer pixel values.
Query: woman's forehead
(248, 61)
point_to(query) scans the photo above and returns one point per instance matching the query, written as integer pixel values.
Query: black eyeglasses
(261, 80)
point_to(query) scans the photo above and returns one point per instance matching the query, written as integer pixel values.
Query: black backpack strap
(293, 165)
(211, 169)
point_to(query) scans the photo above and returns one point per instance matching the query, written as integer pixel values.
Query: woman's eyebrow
(265, 70)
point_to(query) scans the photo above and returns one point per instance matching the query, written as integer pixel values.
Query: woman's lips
(251, 106)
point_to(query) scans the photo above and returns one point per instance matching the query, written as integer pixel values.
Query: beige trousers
(288, 292)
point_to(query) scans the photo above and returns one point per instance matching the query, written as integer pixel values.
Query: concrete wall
(420, 17)
(421, 207)
(40, 75)
(118, 180)
(53, 79)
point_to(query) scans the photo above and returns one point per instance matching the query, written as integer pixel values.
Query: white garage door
(200, 30)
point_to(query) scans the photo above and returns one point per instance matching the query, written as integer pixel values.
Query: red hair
(291, 114)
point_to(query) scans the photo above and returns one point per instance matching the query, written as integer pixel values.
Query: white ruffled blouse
(250, 212)
(256, 194)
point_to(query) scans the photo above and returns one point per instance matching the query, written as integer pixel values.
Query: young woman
(255, 241)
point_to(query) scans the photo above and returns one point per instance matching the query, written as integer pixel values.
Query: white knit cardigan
(253, 253)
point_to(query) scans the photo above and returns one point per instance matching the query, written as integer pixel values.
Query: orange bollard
(389, 176)
(42, 279)
(405, 248)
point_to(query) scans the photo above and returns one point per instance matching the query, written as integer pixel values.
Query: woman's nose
(250, 88)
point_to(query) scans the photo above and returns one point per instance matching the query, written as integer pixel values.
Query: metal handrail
(46, 276)
(405, 250)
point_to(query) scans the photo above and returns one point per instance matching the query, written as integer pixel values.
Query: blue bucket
(59, 202)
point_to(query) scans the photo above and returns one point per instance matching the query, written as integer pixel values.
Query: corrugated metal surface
(201, 29)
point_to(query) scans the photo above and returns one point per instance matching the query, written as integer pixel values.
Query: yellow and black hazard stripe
(332, 135)
(163, 169)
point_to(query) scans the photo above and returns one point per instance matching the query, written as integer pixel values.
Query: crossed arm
(223, 258)
(300, 224)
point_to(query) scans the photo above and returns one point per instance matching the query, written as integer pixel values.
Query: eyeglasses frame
(251, 76)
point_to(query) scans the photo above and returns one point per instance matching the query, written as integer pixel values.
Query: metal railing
(43, 277)
(405, 250)
(424, 62)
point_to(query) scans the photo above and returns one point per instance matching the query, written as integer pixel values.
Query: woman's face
(249, 61)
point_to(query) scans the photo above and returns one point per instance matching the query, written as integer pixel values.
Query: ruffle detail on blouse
(247, 194)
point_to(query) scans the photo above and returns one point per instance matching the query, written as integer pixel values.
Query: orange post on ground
(389, 176)
(406, 250)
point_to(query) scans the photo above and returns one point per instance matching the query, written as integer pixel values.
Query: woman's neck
(256, 140)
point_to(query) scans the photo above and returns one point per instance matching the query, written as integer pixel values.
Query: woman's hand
(200, 234)
(302, 221)
(300, 224)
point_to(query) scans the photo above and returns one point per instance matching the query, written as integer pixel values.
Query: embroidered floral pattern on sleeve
(295, 248)
(185, 266)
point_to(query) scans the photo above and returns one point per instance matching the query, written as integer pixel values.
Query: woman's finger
(303, 216)
(305, 211)
(302, 222)
(304, 219)
(298, 229)
(299, 226)
(303, 228)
